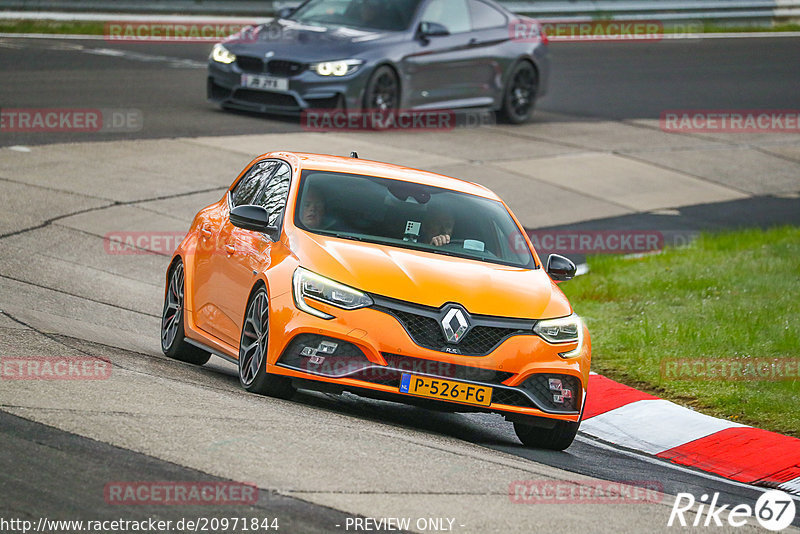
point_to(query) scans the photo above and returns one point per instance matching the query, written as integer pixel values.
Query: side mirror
(560, 268)
(431, 29)
(284, 13)
(254, 218)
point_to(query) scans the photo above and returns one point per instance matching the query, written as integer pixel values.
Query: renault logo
(454, 325)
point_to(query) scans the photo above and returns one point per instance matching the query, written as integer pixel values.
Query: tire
(557, 438)
(253, 345)
(173, 343)
(519, 95)
(383, 90)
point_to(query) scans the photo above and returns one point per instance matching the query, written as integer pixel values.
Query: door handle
(230, 249)
(206, 232)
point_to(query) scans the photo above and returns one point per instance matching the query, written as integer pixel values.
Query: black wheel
(519, 95)
(253, 351)
(383, 90)
(557, 438)
(172, 333)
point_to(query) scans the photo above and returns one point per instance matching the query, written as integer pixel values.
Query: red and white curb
(624, 416)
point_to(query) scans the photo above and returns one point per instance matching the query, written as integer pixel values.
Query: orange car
(339, 274)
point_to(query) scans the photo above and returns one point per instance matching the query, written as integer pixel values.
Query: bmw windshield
(386, 15)
(410, 215)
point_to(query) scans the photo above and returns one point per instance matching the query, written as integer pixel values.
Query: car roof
(325, 162)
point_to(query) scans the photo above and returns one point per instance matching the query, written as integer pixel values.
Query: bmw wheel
(173, 342)
(253, 346)
(520, 93)
(383, 90)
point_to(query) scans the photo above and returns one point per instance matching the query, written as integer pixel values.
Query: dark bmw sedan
(384, 55)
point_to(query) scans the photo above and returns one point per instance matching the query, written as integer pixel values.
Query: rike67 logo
(774, 510)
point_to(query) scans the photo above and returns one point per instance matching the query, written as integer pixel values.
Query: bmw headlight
(308, 285)
(220, 54)
(337, 68)
(562, 330)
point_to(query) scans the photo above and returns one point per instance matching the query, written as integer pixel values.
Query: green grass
(730, 295)
(50, 26)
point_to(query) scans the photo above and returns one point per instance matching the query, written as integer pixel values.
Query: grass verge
(732, 296)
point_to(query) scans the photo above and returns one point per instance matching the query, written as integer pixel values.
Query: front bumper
(374, 350)
(307, 90)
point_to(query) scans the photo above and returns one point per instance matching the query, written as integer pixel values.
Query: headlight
(562, 330)
(220, 54)
(336, 68)
(313, 286)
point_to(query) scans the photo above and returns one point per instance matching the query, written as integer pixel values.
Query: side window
(247, 188)
(485, 16)
(452, 14)
(274, 194)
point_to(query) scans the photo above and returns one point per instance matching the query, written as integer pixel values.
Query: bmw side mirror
(560, 268)
(431, 29)
(284, 13)
(254, 218)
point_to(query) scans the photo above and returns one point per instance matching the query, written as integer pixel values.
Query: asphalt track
(73, 441)
(609, 80)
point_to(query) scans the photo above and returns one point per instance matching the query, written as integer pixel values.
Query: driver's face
(441, 224)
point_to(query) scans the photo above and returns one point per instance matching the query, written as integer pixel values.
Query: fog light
(314, 355)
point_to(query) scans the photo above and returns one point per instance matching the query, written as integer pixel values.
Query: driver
(437, 227)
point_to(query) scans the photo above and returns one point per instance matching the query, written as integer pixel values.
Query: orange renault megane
(340, 274)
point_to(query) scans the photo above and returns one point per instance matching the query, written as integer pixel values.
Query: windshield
(409, 215)
(391, 15)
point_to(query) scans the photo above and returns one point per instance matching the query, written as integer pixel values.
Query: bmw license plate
(259, 81)
(436, 388)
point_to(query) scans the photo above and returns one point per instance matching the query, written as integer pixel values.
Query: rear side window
(485, 16)
(267, 185)
(452, 14)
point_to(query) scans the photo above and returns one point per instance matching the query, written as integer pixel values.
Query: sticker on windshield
(474, 244)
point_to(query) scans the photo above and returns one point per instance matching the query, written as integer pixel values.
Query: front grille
(511, 397)
(408, 364)
(281, 67)
(538, 386)
(423, 325)
(250, 64)
(266, 98)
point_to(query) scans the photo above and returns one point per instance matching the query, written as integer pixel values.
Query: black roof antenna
(354, 154)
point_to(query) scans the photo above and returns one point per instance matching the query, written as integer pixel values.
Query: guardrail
(755, 11)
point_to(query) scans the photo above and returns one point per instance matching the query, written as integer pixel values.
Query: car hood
(287, 39)
(432, 279)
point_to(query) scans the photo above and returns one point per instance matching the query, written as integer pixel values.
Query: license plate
(450, 390)
(258, 81)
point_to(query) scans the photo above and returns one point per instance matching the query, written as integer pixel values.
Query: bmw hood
(287, 39)
(432, 279)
